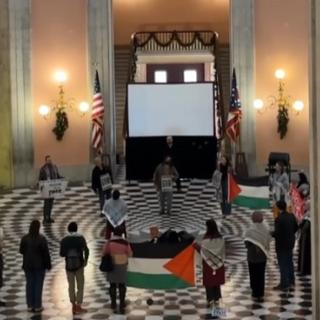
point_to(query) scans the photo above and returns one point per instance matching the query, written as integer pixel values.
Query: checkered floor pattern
(190, 210)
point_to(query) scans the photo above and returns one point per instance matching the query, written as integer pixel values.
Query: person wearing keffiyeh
(212, 251)
(257, 241)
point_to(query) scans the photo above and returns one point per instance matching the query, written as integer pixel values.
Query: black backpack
(73, 260)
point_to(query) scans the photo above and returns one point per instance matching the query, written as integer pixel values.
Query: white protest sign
(166, 184)
(53, 188)
(105, 182)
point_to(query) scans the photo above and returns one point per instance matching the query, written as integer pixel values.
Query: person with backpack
(74, 249)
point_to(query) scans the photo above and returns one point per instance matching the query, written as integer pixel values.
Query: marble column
(5, 99)
(101, 52)
(314, 120)
(242, 59)
(21, 105)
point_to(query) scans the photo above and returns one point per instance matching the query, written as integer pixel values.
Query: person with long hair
(212, 251)
(36, 260)
(120, 251)
(303, 185)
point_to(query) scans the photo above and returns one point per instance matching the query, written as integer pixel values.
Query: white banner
(166, 184)
(105, 182)
(53, 188)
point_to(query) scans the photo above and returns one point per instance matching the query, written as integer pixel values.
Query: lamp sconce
(283, 104)
(60, 106)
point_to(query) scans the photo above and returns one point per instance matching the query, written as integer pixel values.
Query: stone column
(21, 105)
(314, 118)
(101, 51)
(242, 59)
(5, 99)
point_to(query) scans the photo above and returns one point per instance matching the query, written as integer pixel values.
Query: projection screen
(170, 109)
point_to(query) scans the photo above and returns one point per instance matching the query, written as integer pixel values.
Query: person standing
(171, 151)
(36, 260)
(101, 182)
(212, 251)
(285, 227)
(120, 251)
(2, 303)
(279, 182)
(304, 252)
(225, 169)
(163, 176)
(303, 185)
(257, 241)
(48, 171)
(74, 249)
(115, 210)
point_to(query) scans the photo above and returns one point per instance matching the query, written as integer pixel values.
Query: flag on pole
(217, 108)
(234, 116)
(97, 116)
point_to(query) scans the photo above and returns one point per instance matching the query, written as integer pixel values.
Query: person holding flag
(234, 116)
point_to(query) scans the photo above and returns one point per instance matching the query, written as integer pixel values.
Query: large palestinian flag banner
(161, 266)
(254, 193)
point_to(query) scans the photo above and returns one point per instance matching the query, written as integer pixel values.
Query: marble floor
(190, 210)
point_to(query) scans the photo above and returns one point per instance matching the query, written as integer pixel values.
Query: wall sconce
(60, 107)
(283, 104)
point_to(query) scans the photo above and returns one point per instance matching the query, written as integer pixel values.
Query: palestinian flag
(233, 188)
(161, 266)
(254, 193)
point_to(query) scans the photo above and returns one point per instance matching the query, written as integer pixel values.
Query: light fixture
(258, 104)
(61, 105)
(83, 107)
(44, 111)
(283, 104)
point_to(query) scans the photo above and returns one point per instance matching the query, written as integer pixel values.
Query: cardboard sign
(166, 184)
(53, 188)
(105, 182)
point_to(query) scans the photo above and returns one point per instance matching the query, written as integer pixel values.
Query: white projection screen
(170, 109)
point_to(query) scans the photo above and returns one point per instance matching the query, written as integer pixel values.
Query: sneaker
(37, 310)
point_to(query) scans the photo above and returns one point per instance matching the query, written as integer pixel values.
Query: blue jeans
(285, 261)
(34, 285)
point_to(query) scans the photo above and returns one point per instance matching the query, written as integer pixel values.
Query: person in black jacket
(285, 227)
(98, 185)
(36, 259)
(74, 249)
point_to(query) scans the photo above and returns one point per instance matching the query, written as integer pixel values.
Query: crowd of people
(73, 247)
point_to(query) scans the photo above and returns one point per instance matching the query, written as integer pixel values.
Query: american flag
(97, 116)
(234, 116)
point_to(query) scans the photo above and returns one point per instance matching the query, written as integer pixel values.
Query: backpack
(73, 260)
